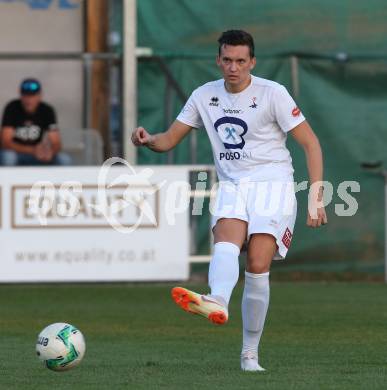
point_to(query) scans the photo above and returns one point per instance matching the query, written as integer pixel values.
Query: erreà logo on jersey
(231, 131)
(214, 101)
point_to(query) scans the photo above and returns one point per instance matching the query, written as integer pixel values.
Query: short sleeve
(8, 116)
(285, 110)
(190, 115)
(51, 119)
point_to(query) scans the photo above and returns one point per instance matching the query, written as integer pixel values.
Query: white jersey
(247, 130)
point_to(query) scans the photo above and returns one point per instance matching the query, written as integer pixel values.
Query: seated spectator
(30, 134)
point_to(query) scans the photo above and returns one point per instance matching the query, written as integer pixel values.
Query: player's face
(236, 64)
(31, 102)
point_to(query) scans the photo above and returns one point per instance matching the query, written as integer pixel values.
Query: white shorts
(267, 207)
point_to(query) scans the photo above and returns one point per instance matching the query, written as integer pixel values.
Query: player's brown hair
(236, 38)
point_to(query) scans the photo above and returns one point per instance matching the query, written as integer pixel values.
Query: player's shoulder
(210, 87)
(273, 91)
(260, 82)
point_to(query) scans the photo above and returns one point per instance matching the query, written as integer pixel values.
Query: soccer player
(247, 119)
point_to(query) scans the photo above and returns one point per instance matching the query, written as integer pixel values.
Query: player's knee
(230, 230)
(257, 266)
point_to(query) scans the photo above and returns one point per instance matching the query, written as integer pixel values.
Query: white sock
(223, 273)
(255, 302)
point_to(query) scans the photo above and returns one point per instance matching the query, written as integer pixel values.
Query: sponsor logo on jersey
(229, 156)
(232, 111)
(287, 238)
(296, 112)
(214, 101)
(254, 105)
(231, 131)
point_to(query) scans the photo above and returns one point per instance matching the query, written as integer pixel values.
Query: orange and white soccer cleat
(204, 305)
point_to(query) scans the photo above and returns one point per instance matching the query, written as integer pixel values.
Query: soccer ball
(60, 346)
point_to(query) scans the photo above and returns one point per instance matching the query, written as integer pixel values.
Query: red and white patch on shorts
(287, 238)
(296, 111)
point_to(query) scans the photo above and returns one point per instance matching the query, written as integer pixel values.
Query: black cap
(30, 87)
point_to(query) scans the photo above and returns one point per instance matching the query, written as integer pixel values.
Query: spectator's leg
(8, 158)
(12, 158)
(61, 159)
(28, 159)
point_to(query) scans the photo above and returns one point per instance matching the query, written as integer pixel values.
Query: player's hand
(317, 220)
(140, 137)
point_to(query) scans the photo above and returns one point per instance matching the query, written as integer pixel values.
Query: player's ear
(218, 60)
(253, 63)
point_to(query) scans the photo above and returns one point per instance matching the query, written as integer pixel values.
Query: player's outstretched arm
(161, 142)
(305, 136)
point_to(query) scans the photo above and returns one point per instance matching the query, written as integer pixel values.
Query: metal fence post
(88, 69)
(295, 76)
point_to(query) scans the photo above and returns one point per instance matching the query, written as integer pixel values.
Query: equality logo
(231, 131)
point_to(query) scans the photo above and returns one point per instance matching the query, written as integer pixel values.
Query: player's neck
(238, 88)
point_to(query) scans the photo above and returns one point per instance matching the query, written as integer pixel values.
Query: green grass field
(317, 336)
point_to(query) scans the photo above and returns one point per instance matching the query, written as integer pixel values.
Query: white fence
(43, 238)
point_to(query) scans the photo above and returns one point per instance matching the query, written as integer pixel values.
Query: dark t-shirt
(29, 128)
